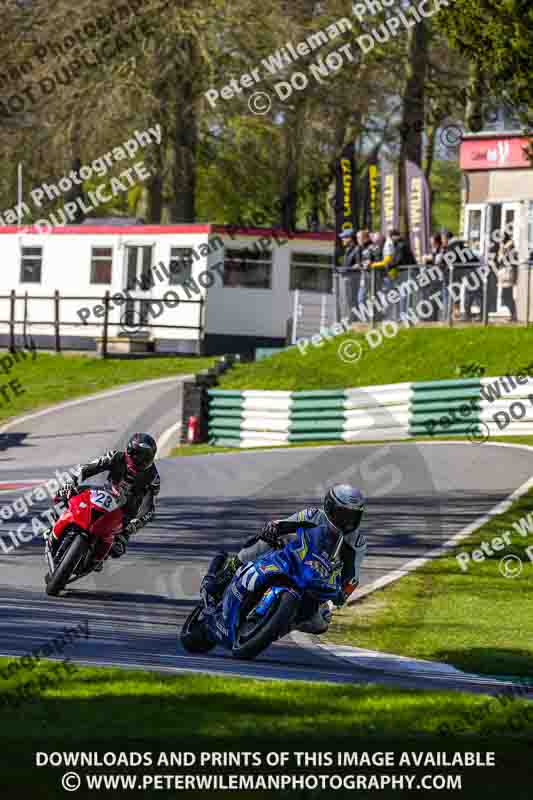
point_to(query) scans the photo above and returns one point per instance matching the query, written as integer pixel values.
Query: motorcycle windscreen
(312, 553)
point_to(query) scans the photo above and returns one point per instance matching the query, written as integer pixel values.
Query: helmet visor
(142, 457)
(346, 520)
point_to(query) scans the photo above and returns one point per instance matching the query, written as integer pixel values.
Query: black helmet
(140, 451)
(344, 506)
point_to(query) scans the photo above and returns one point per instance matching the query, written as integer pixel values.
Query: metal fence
(134, 309)
(468, 292)
(310, 312)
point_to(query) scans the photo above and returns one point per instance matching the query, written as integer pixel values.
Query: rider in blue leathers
(342, 512)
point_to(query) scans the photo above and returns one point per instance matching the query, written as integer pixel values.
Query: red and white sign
(505, 153)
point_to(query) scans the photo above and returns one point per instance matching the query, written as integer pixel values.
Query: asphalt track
(420, 496)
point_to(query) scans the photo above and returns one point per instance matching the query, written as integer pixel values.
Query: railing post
(25, 322)
(485, 301)
(295, 306)
(529, 267)
(57, 321)
(106, 324)
(450, 303)
(201, 325)
(372, 296)
(12, 300)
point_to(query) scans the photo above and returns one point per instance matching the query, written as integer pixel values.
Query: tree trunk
(413, 101)
(474, 98)
(76, 192)
(179, 144)
(294, 134)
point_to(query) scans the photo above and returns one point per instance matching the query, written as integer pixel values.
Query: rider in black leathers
(131, 473)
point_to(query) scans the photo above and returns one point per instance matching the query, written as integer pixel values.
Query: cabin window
(101, 264)
(180, 265)
(31, 264)
(311, 272)
(248, 269)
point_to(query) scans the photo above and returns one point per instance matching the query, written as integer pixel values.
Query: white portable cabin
(183, 288)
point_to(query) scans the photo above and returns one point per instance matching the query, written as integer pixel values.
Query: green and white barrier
(443, 408)
(490, 406)
(253, 418)
(507, 405)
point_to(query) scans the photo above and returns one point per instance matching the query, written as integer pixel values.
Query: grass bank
(478, 620)
(51, 379)
(418, 354)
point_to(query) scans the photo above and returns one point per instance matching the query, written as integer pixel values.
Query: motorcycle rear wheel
(59, 578)
(194, 637)
(253, 639)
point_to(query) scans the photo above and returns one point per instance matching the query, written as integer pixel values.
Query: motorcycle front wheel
(255, 635)
(74, 554)
(194, 636)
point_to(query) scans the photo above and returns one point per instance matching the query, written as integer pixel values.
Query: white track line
(163, 443)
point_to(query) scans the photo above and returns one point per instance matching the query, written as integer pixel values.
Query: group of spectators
(366, 252)
(374, 264)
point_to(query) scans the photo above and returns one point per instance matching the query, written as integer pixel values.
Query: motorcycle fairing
(79, 512)
(302, 565)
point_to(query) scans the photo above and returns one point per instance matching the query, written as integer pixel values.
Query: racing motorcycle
(269, 597)
(92, 518)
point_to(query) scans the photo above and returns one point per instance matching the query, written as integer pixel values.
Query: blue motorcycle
(270, 596)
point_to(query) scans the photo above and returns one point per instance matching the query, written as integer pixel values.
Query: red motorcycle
(85, 530)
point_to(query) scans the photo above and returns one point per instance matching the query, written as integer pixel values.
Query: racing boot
(218, 577)
(318, 623)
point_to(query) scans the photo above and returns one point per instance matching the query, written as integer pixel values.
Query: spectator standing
(447, 275)
(396, 254)
(347, 275)
(365, 258)
(378, 241)
(463, 269)
(385, 264)
(436, 284)
(508, 273)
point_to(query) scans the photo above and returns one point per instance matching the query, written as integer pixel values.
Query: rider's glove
(270, 534)
(68, 489)
(133, 526)
(119, 546)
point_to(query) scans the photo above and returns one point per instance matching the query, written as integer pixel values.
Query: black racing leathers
(139, 488)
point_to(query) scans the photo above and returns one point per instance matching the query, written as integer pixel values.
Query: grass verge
(211, 449)
(418, 354)
(51, 379)
(111, 710)
(478, 620)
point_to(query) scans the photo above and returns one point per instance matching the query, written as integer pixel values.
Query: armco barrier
(499, 406)
(507, 405)
(254, 418)
(441, 408)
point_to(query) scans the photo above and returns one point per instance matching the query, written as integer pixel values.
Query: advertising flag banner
(370, 196)
(345, 196)
(418, 210)
(390, 197)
